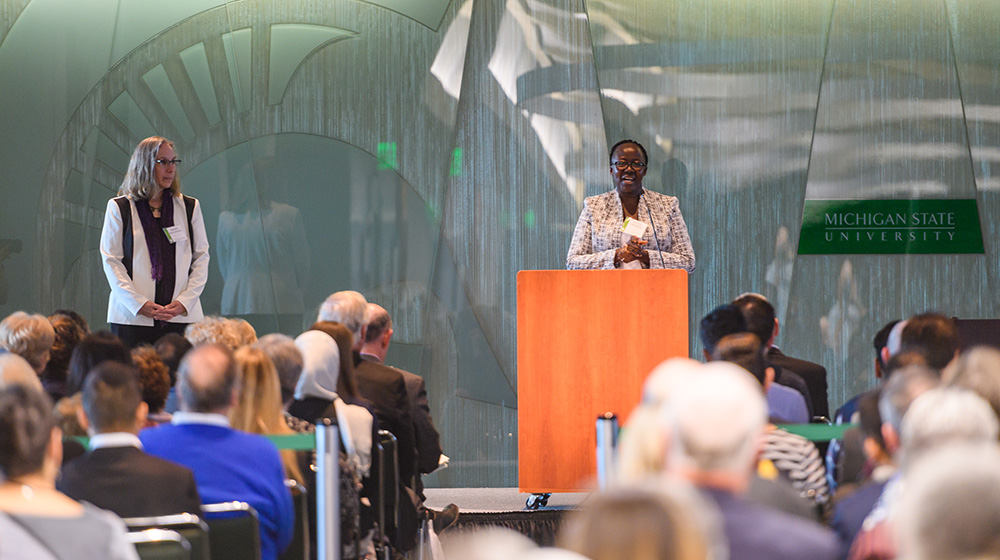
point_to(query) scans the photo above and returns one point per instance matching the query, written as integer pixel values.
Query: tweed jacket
(598, 232)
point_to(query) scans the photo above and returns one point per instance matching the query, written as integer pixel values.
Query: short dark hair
(882, 339)
(377, 326)
(745, 350)
(724, 319)
(172, 347)
(111, 395)
(26, 422)
(933, 334)
(611, 154)
(758, 314)
(92, 350)
(217, 392)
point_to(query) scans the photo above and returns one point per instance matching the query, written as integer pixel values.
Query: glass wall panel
(425, 152)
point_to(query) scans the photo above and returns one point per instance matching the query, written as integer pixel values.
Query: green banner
(884, 227)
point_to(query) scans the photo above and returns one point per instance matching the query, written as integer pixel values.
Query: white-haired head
(717, 420)
(951, 507)
(946, 415)
(643, 444)
(348, 308)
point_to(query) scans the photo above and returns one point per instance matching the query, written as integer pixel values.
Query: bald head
(207, 379)
(379, 331)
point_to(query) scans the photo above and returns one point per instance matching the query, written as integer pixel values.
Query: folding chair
(191, 527)
(234, 531)
(299, 547)
(160, 544)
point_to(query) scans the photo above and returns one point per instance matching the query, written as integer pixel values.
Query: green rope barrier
(817, 432)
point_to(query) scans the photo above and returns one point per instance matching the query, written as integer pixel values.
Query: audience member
(155, 382)
(76, 317)
(228, 464)
(785, 456)
(642, 444)
(68, 334)
(979, 371)
(380, 384)
(115, 473)
(932, 334)
(316, 396)
(762, 321)
(38, 521)
(231, 333)
(844, 456)
(15, 370)
(92, 350)
(287, 362)
(258, 408)
(172, 347)
(850, 511)
(933, 417)
(951, 507)
(28, 336)
(718, 419)
(428, 442)
(666, 522)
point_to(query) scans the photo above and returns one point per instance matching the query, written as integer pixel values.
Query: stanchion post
(607, 440)
(327, 490)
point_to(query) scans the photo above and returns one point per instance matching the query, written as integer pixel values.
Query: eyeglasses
(635, 165)
(174, 161)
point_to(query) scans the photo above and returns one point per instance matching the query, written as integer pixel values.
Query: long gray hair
(140, 180)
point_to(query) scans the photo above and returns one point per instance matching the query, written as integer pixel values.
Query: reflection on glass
(263, 255)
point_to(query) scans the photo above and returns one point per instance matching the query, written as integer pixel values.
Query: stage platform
(505, 507)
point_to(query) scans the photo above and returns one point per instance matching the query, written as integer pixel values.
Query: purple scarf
(156, 240)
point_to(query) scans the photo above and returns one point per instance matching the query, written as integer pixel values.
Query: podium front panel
(586, 340)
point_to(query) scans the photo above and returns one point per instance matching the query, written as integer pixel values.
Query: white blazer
(129, 294)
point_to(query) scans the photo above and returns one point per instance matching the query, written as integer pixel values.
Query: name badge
(175, 233)
(634, 227)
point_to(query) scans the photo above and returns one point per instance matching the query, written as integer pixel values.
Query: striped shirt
(797, 460)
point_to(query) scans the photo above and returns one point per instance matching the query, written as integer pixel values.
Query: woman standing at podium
(599, 240)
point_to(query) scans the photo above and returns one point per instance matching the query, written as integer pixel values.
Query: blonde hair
(258, 409)
(640, 524)
(139, 182)
(28, 336)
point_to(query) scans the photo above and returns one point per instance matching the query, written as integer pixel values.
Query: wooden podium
(586, 340)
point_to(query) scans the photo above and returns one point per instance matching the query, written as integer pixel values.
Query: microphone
(659, 248)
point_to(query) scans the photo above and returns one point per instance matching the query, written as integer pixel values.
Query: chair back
(387, 482)
(234, 531)
(191, 527)
(160, 544)
(299, 547)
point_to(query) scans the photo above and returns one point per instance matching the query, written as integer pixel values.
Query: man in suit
(761, 320)
(378, 334)
(376, 346)
(115, 473)
(228, 465)
(386, 389)
(784, 404)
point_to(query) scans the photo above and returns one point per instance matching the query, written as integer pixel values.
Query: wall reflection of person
(598, 241)
(263, 254)
(156, 287)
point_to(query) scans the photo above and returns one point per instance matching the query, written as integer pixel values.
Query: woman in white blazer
(598, 239)
(154, 248)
